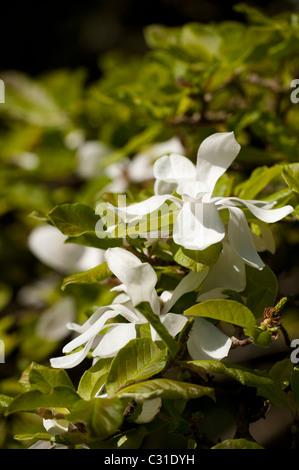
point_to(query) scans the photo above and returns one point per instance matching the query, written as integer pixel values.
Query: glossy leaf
(228, 311)
(92, 276)
(139, 360)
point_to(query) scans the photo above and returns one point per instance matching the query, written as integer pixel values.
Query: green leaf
(290, 173)
(178, 425)
(266, 386)
(93, 378)
(91, 239)
(4, 401)
(138, 360)
(102, 416)
(281, 372)
(43, 436)
(44, 379)
(197, 260)
(92, 276)
(228, 311)
(200, 41)
(259, 178)
(254, 280)
(154, 320)
(165, 388)
(74, 219)
(237, 444)
(60, 397)
(260, 337)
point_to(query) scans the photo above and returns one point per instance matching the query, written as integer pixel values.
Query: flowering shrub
(140, 323)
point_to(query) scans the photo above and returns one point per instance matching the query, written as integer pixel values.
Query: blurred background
(36, 37)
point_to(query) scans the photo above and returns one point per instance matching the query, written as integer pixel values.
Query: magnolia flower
(198, 224)
(47, 243)
(138, 285)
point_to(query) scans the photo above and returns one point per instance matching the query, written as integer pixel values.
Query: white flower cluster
(198, 225)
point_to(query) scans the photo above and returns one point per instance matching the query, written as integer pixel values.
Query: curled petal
(117, 337)
(215, 155)
(241, 240)
(138, 210)
(266, 215)
(189, 283)
(206, 341)
(91, 333)
(71, 360)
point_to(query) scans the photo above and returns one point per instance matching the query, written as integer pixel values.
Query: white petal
(139, 278)
(52, 323)
(227, 273)
(56, 426)
(189, 283)
(173, 322)
(138, 210)
(198, 225)
(140, 282)
(174, 168)
(120, 260)
(140, 168)
(47, 244)
(91, 333)
(266, 215)
(71, 360)
(90, 258)
(89, 158)
(115, 339)
(215, 155)
(91, 320)
(193, 189)
(206, 341)
(240, 238)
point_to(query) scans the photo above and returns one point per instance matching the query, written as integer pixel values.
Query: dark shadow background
(37, 37)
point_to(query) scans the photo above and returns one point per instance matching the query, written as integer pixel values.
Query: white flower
(140, 167)
(90, 155)
(198, 224)
(138, 285)
(51, 325)
(47, 243)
